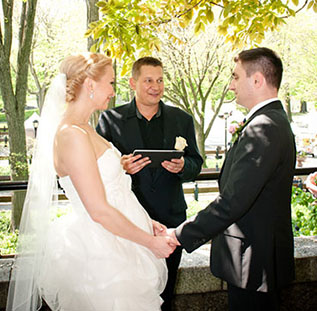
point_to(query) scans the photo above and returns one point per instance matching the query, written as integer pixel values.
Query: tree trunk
(287, 101)
(14, 99)
(303, 106)
(200, 137)
(92, 16)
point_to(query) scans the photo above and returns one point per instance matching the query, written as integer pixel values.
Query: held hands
(175, 165)
(133, 164)
(166, 240)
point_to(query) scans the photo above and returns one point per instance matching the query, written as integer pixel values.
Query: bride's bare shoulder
(70, 136)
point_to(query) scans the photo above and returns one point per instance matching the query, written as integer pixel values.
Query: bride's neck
(77, 113)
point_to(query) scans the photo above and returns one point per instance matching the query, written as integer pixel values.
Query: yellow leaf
(93, 48)
(101, 4)
(210, 16)
(295, 2)
(227, 10)
(222, 30)
(310, 4)
(198, 27)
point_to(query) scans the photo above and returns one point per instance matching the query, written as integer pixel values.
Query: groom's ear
(258, 79)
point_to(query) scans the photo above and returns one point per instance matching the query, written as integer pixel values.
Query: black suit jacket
(250, 221)
(161, 194)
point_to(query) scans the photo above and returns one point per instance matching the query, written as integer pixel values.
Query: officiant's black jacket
(250, 221)
(161, 192)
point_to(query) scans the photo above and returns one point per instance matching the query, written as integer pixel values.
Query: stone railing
(198, 290)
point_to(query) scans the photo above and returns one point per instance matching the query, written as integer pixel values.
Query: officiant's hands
(175, 165)
(133, 164)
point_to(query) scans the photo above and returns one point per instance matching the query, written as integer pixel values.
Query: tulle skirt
(85, 268)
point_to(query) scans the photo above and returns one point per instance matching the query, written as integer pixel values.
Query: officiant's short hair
(145, 61)
(265, 61)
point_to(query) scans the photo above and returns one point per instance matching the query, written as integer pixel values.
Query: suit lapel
(273, 105)
(169, 128)
(131, 131)
(132, 134)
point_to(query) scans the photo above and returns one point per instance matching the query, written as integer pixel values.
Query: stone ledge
(198, 288)
(194, 275)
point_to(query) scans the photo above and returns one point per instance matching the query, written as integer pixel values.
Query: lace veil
(40, 198)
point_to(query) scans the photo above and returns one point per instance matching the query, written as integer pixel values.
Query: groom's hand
(133, 164)
(171, 233)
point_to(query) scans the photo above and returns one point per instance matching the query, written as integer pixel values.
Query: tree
(299, 61)
(198, 73)
(92, 17)
(59, 31)
(14, 92)
(127, 28)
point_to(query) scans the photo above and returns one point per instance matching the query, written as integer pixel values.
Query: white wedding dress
(87, 268)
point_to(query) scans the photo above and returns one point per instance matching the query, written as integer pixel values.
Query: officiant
(147, 123)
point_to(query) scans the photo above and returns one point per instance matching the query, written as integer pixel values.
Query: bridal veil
(40, 199)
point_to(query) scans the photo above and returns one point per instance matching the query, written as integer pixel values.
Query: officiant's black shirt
(152, 131)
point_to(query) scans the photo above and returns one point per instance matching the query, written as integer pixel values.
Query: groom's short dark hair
(265, 61)
(144, 61)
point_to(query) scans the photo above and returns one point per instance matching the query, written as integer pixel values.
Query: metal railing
(205, 174)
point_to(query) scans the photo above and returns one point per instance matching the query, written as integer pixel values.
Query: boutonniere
(180, 143)
(235, 129)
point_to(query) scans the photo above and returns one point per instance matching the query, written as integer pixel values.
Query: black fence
(206, 174)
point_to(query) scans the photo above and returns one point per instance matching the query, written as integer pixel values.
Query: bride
(104, 255)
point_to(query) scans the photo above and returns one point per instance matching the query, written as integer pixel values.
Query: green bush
(304, 212)
(8, 239)
(5, 170)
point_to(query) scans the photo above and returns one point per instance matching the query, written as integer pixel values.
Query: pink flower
(233, 127)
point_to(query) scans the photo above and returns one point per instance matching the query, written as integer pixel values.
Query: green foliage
(304, 212)
(195, 206)
(126, 27)
(19, 164)
(8, 239)
(5, 170)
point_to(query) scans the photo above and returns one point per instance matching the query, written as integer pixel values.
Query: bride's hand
(158, 228)
(162, 246)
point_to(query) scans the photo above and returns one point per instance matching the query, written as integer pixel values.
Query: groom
(250, 221)
(147, 123)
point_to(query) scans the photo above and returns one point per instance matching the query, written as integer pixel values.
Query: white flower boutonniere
(180, 143)
(235, 129)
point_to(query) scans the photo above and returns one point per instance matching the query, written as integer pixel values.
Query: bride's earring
(91, 96)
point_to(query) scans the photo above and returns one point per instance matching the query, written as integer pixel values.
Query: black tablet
(158, 156)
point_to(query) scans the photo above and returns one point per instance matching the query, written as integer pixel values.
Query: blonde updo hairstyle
(78, 67)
